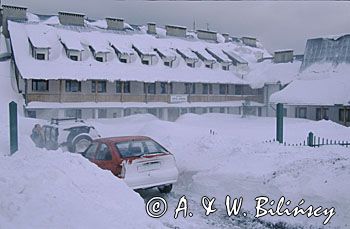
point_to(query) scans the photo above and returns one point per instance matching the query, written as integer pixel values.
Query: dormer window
(225, 68)
(167, 63)
(99, 59)
(146, 62)
(73, 57)
(190, 65)
(209, 66)
(40, 56)
(123, 60)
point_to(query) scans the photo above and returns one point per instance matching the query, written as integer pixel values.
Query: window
(40, 85)
(223, 88)
(40, 56)
(321, 113)
(222, 109)
(151, 88)
(192, 110)
(31, 114)
(139, 148)
(73, 86)
(190, 88)
(239, 89)
(210, 89)
(145, 62)
(102, 113)
(167, 63)
(225, 68)
(171, 88)
(73, 113)
(101, 86)
(126, 87)
(208, 66)
(301, 112)
(163, 88)
(190, 65)
(103, 153)
(118, 87)
(285, 112)
(91, 150)
(123, 60)
(344, 115)
(73, 57)
(205, 89)
(99, 58)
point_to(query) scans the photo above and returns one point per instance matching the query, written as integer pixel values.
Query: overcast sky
(278, 25)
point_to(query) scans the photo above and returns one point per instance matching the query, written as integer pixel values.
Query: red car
(139, 160)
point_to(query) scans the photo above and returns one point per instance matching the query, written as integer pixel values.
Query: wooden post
(13, 127)
(310, 139)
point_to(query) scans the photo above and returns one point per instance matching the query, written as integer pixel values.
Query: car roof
(122, 139)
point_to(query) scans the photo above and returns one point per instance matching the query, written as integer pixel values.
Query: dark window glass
(91, 150)
(302, 112)
(151, 88)
(102, 113)
(188, 87)
(222, 109)
(31, 114)
(163, 88)
(73, 113)
(101, 86)
(208, 66)
(190, 65)
(127, 87)
(239, 89)
(171, 88)
(103, 153)
(73, 86)
(193, 88)
(210, 89)
(222, 89)
(344, 115)
(225, 68)
(167, 63)
(40, 85)
(74, 57)
(321, 113)
(145, 62)
(118, 87)
(40, 56)
(99, 59)
(205, 89)
(122, 60)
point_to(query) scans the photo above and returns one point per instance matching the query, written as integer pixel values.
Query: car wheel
(165, 188)
(80, 144)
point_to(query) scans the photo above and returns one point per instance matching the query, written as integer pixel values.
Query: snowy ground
(55, 189)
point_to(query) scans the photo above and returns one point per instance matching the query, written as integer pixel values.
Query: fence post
(310, 139)
(279, 123)
(13, 127)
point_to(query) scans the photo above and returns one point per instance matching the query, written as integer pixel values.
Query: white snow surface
(320, 84)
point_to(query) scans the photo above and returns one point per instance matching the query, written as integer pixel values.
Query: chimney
(283, 56)
(68, 18)
(115, 23)
(206, 35)
(12, 13)
(151, 28)
(250, 41)
(226, 36)
(175, 30)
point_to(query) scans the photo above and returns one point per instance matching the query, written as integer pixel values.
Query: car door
(104, 159)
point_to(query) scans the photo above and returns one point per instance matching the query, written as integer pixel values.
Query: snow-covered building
(322, 89)
(95, 69)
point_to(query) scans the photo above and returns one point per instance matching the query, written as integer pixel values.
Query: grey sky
(278, 25)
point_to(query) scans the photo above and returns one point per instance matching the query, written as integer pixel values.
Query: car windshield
(139, 148)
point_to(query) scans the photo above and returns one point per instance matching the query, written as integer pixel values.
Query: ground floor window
(73, 113)
(102, 113)
(301, 112)
(31, 114)
(344, 115)
(322, 113)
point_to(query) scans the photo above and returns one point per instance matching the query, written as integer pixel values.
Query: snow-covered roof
(219, 54)
(327, 86)
(37, 37)
(204, 54)
(187, 53)
(168, 53)
(80, 38)
(233, 55)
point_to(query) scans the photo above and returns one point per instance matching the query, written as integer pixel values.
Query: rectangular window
(167, 63)
(210, 89)
(102, 113)
(122, 60)
(163, 88)
(74, 57)
(150, 88)
(100, 86)
(99, 58)
(73, 113)
(205, 89)
(31, 114)
(40, 56)
(344, 115)
(222, 109)
(321, 113)
(145, 62)
(126, 87)
(239, 89)
(225, 68)
(223, 88)
(190, 65)
(302, 112)
(40, 85)
(208, 66)
(188, 87)
(118, 86)
(171, 88)
(73, 86)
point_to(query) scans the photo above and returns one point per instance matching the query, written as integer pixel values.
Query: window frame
(35, 85)
(95, 86)
(68, 86)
